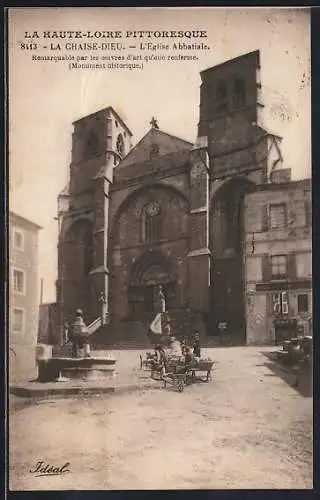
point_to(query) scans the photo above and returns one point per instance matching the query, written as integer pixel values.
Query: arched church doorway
(151, 272)
(227, 239)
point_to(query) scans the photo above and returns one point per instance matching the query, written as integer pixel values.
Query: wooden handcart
(176, 372)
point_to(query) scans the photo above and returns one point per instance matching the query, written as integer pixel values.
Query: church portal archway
(150, 272)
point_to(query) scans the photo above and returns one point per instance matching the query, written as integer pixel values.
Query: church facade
(171, 213)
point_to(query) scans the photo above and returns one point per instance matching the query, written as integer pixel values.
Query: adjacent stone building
(23, 296)
(172, 213)
(278, 255)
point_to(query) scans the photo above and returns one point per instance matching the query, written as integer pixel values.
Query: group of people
(179, 349)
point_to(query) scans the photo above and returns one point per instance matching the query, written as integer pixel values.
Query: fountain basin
(85, 369)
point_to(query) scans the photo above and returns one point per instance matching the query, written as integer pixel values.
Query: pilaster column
(199, 254)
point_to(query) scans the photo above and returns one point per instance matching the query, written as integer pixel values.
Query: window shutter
(291, 266)
(264, 218)
(276, 303)
(308, 213)
(270, 303)
(285, 303)
(266, 268)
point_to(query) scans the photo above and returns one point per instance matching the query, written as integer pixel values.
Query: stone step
(126, 333)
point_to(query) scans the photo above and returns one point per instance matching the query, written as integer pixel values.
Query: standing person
(66, 333)
(184, 345)
(196, 345)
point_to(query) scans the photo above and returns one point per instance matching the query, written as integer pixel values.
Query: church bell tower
(231, 113)
(99, 142)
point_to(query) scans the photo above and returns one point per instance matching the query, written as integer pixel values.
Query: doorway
(151, 270)
(144, 298)
(227, 237)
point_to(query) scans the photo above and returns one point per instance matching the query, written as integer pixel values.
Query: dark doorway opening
(144, 298)
(227, 237)
(151, 272)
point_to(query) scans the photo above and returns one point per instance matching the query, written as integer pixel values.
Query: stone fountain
(80, 372)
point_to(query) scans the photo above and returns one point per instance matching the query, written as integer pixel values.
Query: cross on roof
(154, 123)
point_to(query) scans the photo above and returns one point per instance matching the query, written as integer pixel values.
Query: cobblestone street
(246, 429)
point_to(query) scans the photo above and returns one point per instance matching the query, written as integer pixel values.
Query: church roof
(19, 219)
(265, 131)
(107, 110)
(254, 55)
(169, 161)
(165, 142)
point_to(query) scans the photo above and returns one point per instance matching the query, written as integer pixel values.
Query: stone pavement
(248, 428)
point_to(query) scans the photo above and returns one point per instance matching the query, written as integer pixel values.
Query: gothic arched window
(239, 93)
(152, 223)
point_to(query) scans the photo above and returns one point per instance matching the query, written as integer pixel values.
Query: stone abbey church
(172, 213)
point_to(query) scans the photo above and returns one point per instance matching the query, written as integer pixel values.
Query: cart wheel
(180, 385)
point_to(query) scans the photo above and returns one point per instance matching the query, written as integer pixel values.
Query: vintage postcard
(160, 239)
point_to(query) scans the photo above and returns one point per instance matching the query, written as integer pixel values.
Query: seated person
(159, 353)
(155, 354)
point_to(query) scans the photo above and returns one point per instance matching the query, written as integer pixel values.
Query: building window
(19, 284)
(278, 266)
(152, 223)
(303, 303)
(239, 93)
(18, 320)
(222, 97)
(18, 239)
(277, 215)
(280, 303)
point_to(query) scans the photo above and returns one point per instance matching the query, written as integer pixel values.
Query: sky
(46, 97)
